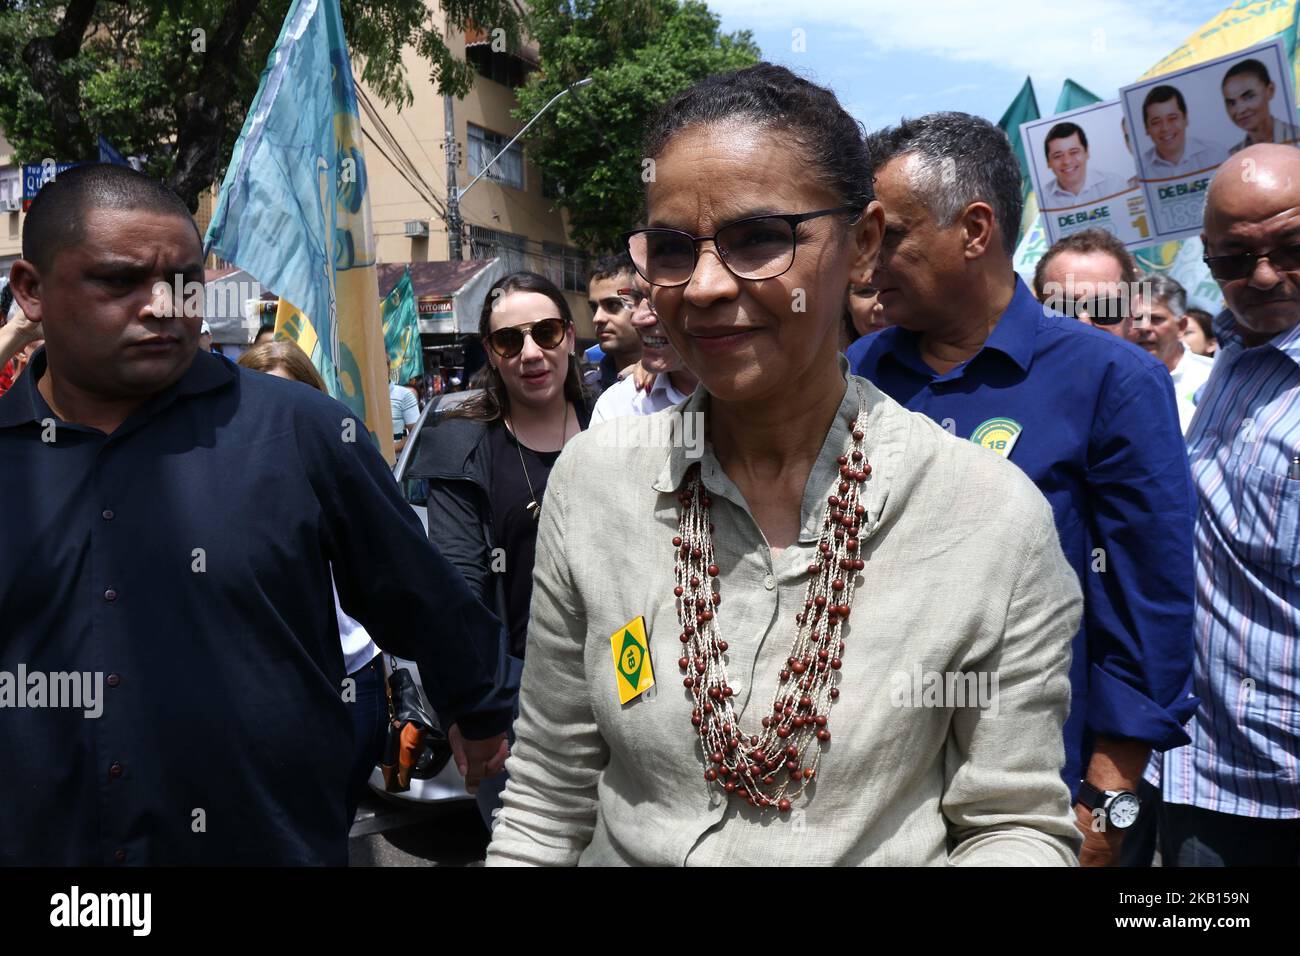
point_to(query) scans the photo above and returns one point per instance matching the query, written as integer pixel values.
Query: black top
(184, 563)
(513, 527)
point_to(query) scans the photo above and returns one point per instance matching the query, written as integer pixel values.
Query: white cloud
(1103, 44)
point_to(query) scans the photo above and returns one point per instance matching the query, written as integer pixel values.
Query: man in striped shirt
(1232, 797)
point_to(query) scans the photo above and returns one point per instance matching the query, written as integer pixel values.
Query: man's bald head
(1252, 218)
(60, 210)
(1257, 182)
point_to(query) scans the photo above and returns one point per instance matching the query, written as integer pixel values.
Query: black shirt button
(115, 770)
(108, 515)
(120, 856)
(113, 680)
(110, 595)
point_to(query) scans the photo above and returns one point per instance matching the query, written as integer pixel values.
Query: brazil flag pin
(633, 672)
(997, 434)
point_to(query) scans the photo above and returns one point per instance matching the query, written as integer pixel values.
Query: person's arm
(1139, 589)
(1004, 798)
(15, 335)
(456, 529)
(389, 577)
(549, 811)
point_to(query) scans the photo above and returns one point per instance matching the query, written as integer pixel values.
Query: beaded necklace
(771, 767)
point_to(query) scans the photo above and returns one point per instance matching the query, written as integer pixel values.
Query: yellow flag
(633, 673)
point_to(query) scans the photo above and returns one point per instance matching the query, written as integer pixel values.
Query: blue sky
(889, 58)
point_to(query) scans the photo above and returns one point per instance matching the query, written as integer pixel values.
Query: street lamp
(455, 194)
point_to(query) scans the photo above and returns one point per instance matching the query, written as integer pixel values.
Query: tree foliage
(639, 53)
(173, 79)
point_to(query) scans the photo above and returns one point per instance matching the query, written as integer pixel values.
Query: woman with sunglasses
(729, 644)
(487, 460)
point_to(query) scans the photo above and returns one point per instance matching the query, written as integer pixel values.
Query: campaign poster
(1085, 176)
(1185, 124)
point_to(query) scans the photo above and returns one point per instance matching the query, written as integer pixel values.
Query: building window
(487, 243)
(552, 188)
(483, 145)
(566, 267)
(500, 67)
(11, 187)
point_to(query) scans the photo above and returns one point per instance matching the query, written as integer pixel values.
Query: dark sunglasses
(1241, 265)
(509, 342)
(759, 247)
(1108, 311)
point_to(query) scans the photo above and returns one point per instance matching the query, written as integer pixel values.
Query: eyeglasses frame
(793, 220)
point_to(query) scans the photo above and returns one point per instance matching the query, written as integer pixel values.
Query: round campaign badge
(997, 434)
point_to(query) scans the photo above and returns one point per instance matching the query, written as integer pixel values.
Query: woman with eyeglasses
(829, 634)
(487, 460)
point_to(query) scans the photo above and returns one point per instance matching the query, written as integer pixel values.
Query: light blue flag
(293, 211)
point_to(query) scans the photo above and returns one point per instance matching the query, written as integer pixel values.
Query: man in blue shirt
(1090, 418)
(171, 685)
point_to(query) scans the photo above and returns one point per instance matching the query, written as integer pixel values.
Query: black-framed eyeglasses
(509, 342)
(758, 247)
(1241, 265)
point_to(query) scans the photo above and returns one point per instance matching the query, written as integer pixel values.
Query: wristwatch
(1119, 808)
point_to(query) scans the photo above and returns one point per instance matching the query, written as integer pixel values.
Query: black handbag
(416, 748)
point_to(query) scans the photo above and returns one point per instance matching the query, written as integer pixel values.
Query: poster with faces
(1185, 124)
(1084, 174)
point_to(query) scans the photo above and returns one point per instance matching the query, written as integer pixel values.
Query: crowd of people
(1077, 499)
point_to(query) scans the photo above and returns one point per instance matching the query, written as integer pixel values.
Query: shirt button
(769, 582)
(110, 595)
(108, 515)
(113, 680)
(120, 856)
(115, 770)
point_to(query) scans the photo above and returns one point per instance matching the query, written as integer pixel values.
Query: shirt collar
(1229, 336)
(663, 384)
(24, 403)
(1014, 336)
(884, 440)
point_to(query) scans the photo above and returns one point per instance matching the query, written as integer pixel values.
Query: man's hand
(28, 331)
(1101, 843)
(477, 759)
(1116, 764)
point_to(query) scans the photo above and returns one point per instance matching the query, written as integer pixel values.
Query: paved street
(387, 833)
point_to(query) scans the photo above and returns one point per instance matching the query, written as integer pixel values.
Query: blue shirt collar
(1013, 336)
(23, 403)
(1227, 332)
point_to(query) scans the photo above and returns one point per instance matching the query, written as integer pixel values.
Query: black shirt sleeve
(393, 580)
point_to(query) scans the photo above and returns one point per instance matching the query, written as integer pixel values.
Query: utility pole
(453, 192)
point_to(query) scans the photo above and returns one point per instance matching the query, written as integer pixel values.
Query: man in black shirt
(221, 735)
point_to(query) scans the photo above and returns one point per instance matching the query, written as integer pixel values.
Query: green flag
(1073, 96)
(402, 331)
(1023, 109)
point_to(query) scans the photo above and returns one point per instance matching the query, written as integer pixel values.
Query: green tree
(639, 53)
(173, 79)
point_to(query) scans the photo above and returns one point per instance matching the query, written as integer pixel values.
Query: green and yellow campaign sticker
(633, 672)
(997, 434)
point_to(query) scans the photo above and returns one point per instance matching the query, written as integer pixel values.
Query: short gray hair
(960, 159)
(1168, 292)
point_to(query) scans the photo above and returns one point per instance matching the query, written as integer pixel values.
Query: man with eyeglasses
(1090, 276)
(671, 382)
(618, 344)
(1089, 418)
(1233, 797)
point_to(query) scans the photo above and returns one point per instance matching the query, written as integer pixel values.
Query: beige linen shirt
(964, 573)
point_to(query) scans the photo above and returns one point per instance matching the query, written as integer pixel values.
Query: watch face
(1123, 811)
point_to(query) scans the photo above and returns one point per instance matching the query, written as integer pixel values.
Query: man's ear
(25, 281)
(978, 227)
(867, 236)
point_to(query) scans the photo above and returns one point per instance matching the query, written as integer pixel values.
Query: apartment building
(509, 214)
